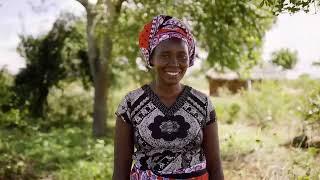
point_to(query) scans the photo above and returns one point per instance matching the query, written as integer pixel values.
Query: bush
(65, 152)
(68, 107)
(99, 166)
(267, 102)
(302, 84)
(16, 166)
(10, 117)
(303, 165)
(13, 118)
(311, 106)
(227, 112)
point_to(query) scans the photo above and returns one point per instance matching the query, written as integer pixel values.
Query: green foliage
(233, 111)
(13, 118)
(100, 165)
(70, 151)
(304, 83)
(236, 141)
(68, 106)
(303, 165)
(61, 146)
(9, 116)
(49, 59)
(227, 112)
(268, 102)
(292, 6)
(15, 166)
(285, 58)
(5, 83)
(230, 31)
(311, 106)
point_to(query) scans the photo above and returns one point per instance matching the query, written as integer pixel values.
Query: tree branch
(84, 3)
(118, 5)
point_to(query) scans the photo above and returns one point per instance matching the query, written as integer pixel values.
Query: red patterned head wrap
(161, 28)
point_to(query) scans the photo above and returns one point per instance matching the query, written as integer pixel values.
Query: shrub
(311, 106)
(267, 102)
(16, 166)
(10, 117)
(99, 166)
(227, 112)
(68, 107)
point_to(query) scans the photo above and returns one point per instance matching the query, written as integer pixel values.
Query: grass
(249, 150)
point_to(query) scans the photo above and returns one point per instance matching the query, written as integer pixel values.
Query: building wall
(233, 85)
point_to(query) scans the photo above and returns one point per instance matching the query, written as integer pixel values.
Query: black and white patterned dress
(167, 139)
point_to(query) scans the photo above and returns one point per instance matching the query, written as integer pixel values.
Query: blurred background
(65, 66)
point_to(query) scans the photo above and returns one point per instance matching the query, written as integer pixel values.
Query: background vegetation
(50, 127)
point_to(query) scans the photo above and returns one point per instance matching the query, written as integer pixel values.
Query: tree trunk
(98, 71)
(99, 60)
(99, 106)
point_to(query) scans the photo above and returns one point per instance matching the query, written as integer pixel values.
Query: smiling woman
(172, 126)
(170, 60)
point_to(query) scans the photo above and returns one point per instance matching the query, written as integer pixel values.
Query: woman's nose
(174, 61)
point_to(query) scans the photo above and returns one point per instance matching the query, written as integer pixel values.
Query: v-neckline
(180, 100)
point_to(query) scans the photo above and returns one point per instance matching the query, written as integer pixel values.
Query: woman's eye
(164, 56)
(183, 57)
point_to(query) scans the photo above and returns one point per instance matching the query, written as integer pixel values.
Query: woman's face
(170, 61)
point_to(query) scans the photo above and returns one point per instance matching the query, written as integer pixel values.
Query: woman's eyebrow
(164, 52)
(182, 52)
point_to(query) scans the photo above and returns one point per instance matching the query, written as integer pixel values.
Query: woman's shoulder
(200, 94)
(135, 93)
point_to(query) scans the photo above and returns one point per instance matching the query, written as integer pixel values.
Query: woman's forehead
(171, 44)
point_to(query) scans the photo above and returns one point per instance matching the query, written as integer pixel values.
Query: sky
(298, 32)
(18, 17)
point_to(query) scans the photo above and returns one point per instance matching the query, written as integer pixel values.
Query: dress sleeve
(211, 113)
(124, 110)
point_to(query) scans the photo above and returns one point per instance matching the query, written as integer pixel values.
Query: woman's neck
(166, 90)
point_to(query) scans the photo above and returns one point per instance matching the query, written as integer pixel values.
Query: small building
(234, 82)
(230, 80)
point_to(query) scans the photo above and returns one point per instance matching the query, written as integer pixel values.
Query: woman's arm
(123, 150)
(210, 146)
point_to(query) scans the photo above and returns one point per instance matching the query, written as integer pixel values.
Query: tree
(49, 58)
(231, 32)
(285, 58)
(316, 63)
(292, 6)
(100, 14)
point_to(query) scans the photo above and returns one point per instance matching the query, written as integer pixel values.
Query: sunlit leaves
(292, 6)
(285, 58)
(231, 31)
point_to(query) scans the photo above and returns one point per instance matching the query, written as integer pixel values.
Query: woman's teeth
(173, 73)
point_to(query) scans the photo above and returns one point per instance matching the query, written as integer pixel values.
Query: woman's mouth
(172, 73)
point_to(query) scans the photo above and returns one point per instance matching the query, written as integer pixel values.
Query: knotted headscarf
(161, 28)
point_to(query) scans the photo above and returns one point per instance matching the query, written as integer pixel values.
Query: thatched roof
(230, 75)
(265, 71)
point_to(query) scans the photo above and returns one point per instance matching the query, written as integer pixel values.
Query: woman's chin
(172, 81)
